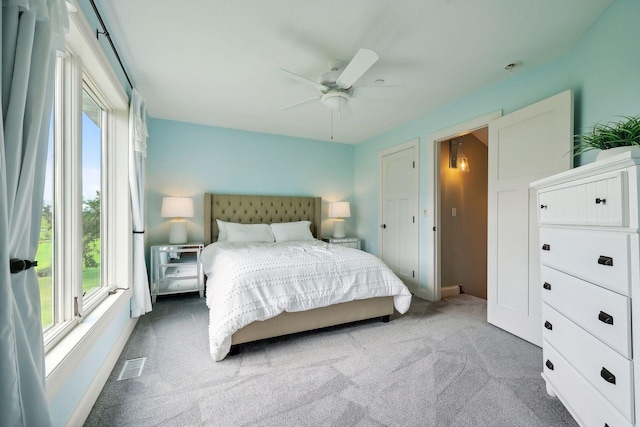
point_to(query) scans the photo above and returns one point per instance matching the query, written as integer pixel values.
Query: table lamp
(178, 208)
(339, 211)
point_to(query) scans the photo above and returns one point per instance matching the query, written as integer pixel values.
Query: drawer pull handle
(608, 376)
(547, 286)
(549, 364)
(548, 325)
(543, 206)
(605, 318)
(599, 200)
(605, 260)
(546, 247)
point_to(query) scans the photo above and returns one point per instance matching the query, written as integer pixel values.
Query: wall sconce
(339, 210)
(457, 158)
(178, 208)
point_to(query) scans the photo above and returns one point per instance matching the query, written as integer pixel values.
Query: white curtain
(32, 31)
(141, 300)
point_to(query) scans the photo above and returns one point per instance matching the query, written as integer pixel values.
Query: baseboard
(81, 412)
(418, 292)
(449, 291)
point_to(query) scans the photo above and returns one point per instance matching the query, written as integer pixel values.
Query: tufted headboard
(259, 210)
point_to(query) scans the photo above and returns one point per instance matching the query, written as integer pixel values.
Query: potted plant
(617, 136)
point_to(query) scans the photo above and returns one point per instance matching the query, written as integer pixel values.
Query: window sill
(62, 359)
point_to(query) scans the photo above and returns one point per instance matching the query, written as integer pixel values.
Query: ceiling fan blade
(345, 111)
(306, 101)
(304, 80)
(389, 92)
(359, 65)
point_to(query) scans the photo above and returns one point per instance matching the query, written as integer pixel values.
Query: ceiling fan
(336, 85)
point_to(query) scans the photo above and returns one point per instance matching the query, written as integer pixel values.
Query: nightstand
(176, 268)
(349, 242)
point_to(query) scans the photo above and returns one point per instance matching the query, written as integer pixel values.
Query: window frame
(88, 302)
(85, 65)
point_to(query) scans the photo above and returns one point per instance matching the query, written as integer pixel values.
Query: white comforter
(256, 281)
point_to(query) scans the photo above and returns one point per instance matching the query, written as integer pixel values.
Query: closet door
(524, 146)
(398, 235)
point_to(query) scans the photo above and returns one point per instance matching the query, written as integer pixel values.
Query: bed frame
(266, 210)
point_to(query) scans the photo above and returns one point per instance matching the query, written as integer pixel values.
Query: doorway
(463, 213)
(432, 290)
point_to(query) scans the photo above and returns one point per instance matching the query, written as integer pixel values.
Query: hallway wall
(463, 252)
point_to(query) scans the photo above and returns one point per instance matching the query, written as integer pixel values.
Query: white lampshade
(339, 210)
(177, 207)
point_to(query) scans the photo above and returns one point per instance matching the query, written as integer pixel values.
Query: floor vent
(132, 368)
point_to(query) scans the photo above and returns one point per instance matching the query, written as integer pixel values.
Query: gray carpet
(441, 364)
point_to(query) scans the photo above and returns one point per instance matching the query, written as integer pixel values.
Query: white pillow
(222, 230)
(248, 232)
(286, 231)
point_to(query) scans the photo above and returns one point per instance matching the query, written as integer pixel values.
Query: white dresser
(590, 283)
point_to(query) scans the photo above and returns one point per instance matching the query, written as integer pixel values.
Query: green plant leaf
(604, 136)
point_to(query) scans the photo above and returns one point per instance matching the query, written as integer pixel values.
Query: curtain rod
(108, 36)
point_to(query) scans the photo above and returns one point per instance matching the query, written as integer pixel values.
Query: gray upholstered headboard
(259, 210)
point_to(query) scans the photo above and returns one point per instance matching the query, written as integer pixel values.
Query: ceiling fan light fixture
(335, 100)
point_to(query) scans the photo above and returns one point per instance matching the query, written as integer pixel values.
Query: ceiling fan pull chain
(331, 112)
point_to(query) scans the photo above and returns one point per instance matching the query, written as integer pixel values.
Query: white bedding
(256, 281)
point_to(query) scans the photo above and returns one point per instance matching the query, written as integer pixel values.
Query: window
(85, 238)
(45, 246)
(92, 117)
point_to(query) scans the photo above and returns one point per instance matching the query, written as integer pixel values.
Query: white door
(524, 146)
(399, 222)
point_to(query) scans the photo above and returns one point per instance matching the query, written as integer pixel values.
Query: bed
(246, 209)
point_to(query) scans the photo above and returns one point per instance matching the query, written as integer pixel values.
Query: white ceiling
(216, 62)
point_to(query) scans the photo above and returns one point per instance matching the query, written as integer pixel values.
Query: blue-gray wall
(67, 399)
(603, 70)
(188, 160)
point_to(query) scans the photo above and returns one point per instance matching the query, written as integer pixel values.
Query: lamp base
(338, 228)
(178, 231)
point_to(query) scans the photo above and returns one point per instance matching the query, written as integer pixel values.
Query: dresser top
(619, 161)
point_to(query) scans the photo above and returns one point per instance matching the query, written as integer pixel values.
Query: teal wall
(185, 159)
(62, 406)
(603, 70)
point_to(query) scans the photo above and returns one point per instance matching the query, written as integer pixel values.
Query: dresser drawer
(596, 256)
(603, 313)
(583, 401)
(609, 372)
(168, 286)
(597, 200)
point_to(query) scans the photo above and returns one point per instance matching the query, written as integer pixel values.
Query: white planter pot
(605, 154)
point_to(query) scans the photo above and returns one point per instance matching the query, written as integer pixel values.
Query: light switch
(454, 212)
